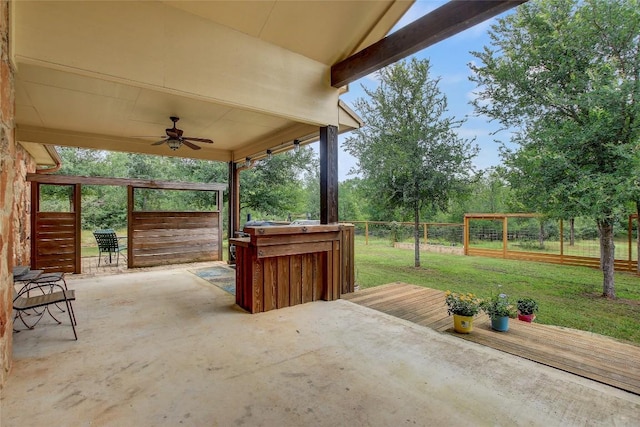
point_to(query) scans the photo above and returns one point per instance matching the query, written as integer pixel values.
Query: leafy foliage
(272, 187)
(527, 305)
(498, 306)
(408, 153)
(463, 304)
(566, 75)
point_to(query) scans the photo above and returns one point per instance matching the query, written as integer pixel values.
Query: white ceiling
(249, 75)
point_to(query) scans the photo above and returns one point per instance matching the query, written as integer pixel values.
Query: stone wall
(15, 196)
(21, 215)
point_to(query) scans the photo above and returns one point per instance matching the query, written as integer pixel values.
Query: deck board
(589, 355)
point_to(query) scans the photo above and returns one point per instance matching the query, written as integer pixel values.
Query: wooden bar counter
(281, 266)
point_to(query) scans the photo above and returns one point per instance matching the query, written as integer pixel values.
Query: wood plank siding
(278, 267)
(589, 355)
(153, 238)
(157, 238)
(55, 236)
(55, 239)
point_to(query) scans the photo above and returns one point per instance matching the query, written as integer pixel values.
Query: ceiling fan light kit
(174, 144)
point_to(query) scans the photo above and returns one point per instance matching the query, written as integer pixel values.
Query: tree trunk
(416, 234)
(572, 232)
(607, 256)
(541, 235)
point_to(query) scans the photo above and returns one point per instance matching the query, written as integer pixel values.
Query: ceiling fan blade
(190, 145)
(171, 133)
(159, 142)
(208, 141)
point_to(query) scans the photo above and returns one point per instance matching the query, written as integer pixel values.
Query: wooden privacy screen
(282, 266)
(158, 238)
(55, 236)
(154, 238)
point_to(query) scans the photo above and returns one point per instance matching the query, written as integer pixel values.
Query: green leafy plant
(462, 304)
(498, 306)
(527, 306)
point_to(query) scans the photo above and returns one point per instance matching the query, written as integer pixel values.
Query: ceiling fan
(175, 139)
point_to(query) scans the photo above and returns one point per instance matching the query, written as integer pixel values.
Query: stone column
(7, 178)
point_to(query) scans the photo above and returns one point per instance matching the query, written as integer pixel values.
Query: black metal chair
(45, 296)
(108, 242)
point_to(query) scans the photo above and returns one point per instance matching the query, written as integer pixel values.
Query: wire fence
(516, 236)
(438, 237)
(531, 237)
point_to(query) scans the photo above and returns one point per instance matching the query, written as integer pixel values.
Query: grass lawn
(88, 244)
(568, 296)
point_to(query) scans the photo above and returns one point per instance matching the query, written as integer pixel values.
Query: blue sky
(449, 61)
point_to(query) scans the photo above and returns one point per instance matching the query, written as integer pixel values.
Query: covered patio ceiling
(250, 75)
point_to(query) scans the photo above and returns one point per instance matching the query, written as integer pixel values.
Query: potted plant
(527, 309)
(463, 307)
(499, 310)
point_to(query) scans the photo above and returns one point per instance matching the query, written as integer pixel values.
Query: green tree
(274, 187)
(105, 206)
(351, 200)
(489, 192)
(409, 151)
(565, 74)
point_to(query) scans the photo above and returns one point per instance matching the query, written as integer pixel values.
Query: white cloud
(454, 78)
(473, 132)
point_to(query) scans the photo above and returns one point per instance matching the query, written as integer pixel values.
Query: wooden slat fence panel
(55, 241)
(158, 238)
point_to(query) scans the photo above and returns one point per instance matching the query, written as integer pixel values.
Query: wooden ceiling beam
(447, 20)
(138, 183)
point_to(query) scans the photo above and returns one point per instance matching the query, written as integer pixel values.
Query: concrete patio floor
(167, 348)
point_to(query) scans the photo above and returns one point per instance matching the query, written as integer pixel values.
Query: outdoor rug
(222, 276)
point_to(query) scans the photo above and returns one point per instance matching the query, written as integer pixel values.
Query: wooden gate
(55, 236)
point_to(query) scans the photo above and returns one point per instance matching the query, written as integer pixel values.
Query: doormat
(220, 276)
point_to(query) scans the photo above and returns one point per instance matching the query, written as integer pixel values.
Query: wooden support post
(329, 175)
(219, 207)
(561, 242)
(629, 242)
(130, 205)
(77, 209)
(234, 203)
(425, 226)
(366, 233)
(465, 231)
(505, 236)
(637, 244)
(35, 208)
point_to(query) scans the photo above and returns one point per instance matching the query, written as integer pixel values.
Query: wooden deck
(589, 355)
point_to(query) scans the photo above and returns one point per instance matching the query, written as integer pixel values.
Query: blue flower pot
(500, 323)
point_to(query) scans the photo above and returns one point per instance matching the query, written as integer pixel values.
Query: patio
(165, 347)
(589, 355)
